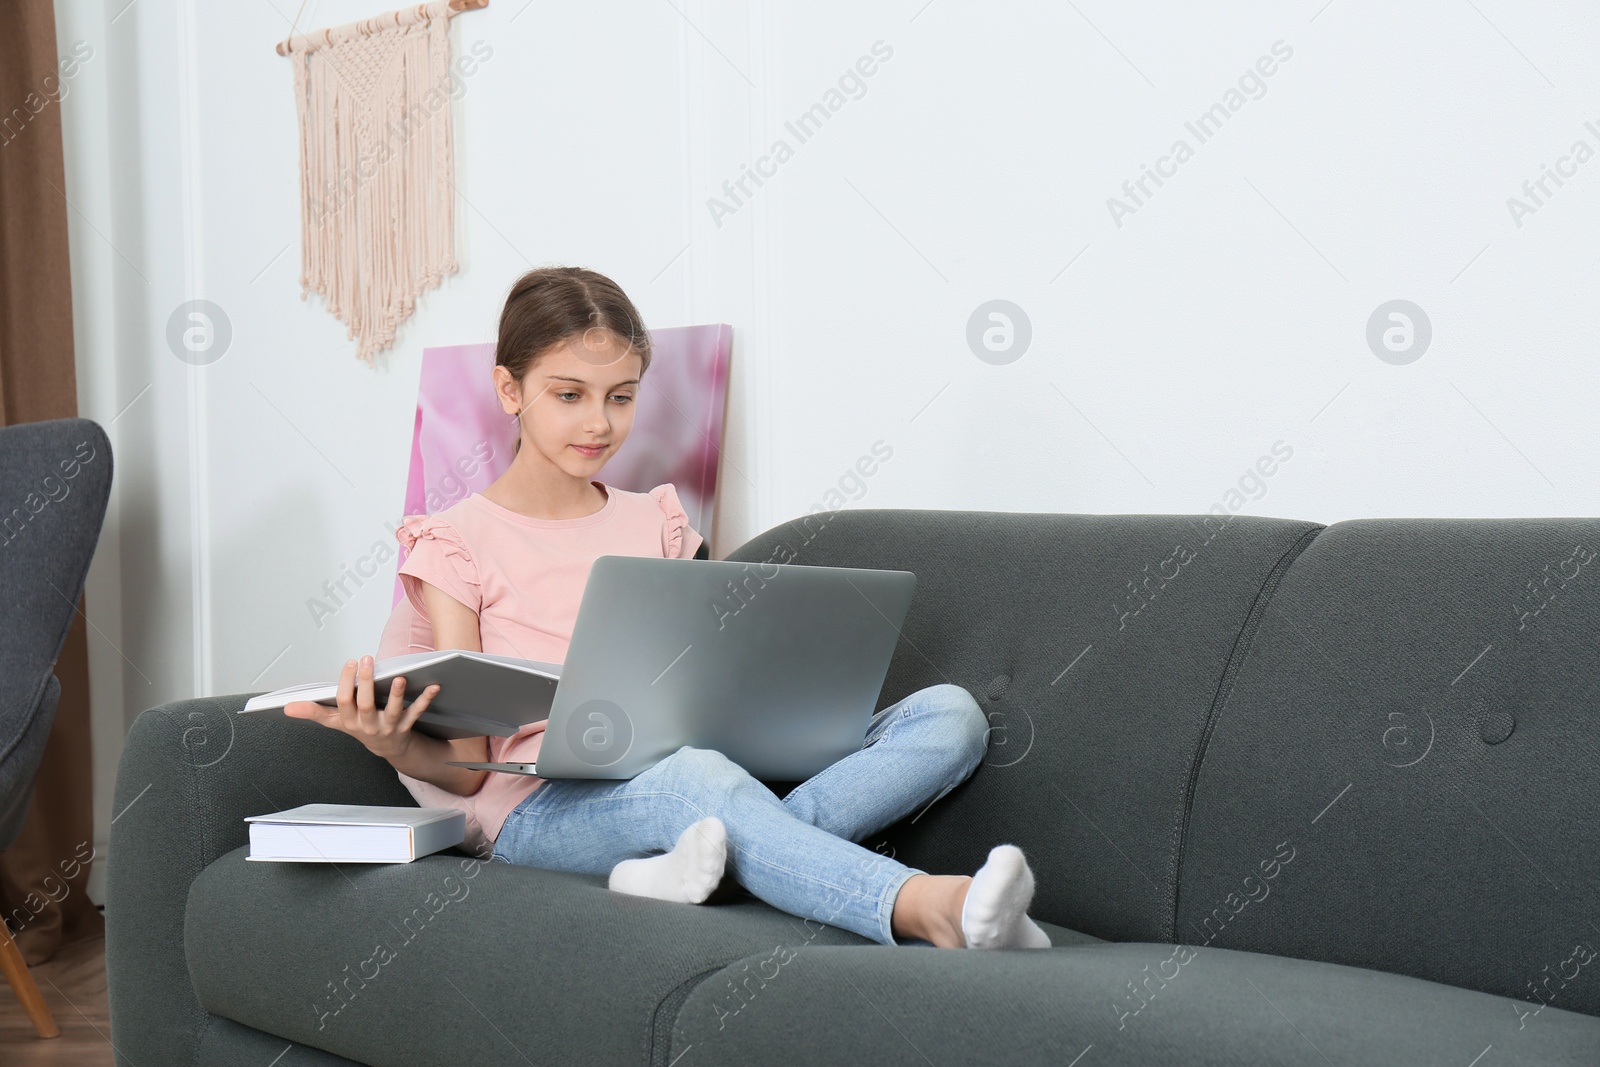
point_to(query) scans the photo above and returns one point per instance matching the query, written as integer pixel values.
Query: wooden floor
(74, 985)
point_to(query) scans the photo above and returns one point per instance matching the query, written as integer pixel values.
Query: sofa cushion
(1127, 1004)
(477, 955)
(1095, 644)
(226, 1043)
(1416, 727)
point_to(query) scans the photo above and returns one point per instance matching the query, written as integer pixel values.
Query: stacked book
(354, 833)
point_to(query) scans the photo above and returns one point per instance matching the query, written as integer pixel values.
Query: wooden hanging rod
(325, 37)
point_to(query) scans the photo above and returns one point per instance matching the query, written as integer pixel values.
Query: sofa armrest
(190, 772)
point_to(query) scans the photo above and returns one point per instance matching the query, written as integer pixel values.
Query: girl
(503, 571)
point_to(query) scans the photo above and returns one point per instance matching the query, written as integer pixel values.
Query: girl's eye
(614, 396)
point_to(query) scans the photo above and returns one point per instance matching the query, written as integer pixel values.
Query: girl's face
(578, 395)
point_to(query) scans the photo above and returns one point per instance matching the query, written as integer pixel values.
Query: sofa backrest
(1374, 743)
(1095, 645)
(1416, 720)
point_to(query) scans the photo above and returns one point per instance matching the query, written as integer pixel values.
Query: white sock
(995, 914)
(686, 875)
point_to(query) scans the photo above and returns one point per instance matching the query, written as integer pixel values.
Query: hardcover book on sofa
(354, 833)
(479, 693)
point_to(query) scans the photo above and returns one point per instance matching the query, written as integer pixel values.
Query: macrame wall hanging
(377, 182)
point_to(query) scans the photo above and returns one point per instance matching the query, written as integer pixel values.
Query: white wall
(1226, 312)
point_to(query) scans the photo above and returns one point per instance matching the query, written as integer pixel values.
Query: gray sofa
(1293, 794)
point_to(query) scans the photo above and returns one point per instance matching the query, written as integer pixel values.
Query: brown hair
(549, 305)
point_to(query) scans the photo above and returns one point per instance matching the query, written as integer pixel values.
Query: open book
(479, 693)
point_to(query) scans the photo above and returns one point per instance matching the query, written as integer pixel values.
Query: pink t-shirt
(524, 578)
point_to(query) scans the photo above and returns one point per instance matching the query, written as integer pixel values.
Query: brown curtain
(38, 381)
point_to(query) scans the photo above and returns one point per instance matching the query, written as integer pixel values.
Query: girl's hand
(387, 731)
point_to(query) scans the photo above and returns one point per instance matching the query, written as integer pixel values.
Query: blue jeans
(798, 854)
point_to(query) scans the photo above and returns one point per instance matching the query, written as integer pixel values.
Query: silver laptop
(777, 666)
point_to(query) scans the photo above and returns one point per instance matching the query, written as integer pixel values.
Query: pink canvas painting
(461, 440)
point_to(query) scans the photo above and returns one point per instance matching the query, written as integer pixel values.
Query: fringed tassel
(376, 184)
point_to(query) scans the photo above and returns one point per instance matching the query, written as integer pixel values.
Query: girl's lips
(595, 451)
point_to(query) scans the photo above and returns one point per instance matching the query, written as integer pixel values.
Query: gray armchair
(55, 480)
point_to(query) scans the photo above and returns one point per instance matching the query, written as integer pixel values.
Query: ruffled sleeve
(679, 540)
(437, 555)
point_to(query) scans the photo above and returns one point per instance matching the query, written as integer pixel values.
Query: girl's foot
(686, 875)
(995, 911)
